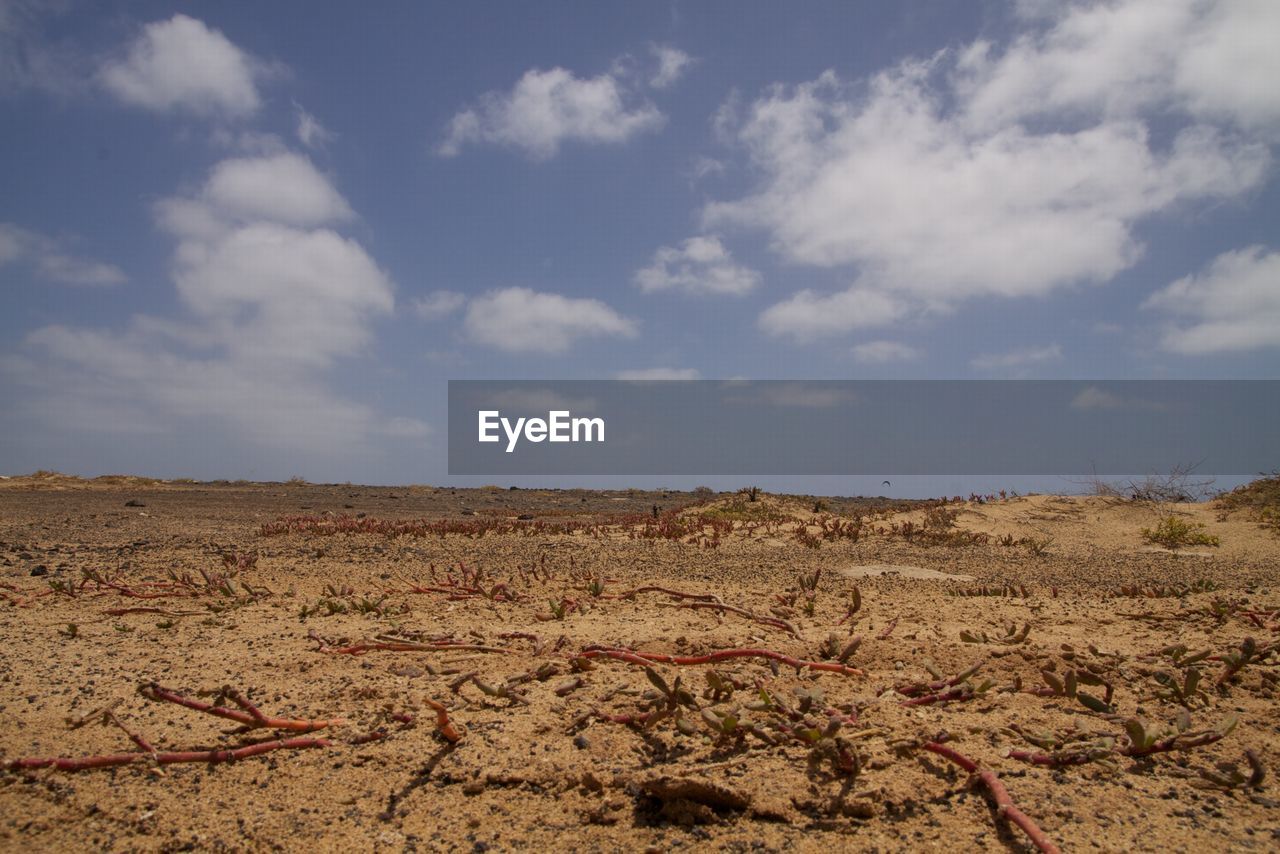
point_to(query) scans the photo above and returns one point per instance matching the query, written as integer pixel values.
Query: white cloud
(283, 187)
(91, 376)
(704, 166)
(1117, 59)
(882, 352)
(547, 108)
(310, 132)
(437, 304)
(1233, 305)
(1230, 56)
(519, 320)
(895, 187)
(990, 172)
(808, 314)
(259, 268)
(701, 265)
(273, 295)
(76, 271)
(672, 63)
(245, 141)
(283, 294)
(49, 261)
(658, 374)
(183, 64)
(1025, 357)
(262, 275)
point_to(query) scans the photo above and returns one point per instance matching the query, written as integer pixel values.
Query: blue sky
(255, 240)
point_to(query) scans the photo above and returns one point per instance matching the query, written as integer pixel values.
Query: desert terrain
(419, 668)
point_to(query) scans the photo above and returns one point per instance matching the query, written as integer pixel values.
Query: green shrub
(1173, 533)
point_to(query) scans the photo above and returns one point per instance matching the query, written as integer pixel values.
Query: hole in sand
(917, 572)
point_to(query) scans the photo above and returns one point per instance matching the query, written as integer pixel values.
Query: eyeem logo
(558, 426)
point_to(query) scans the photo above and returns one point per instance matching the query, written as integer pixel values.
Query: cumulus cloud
(1233, 305)
(272, 295)
(182, 64)
(672, 63)
(809, 314)
(122, 383)
(284, 187)
(520, 320)
(882, 352)
(283, 294)
(658, 374)
(1117, 59)
(1017, 360)
(701, 265)
(437, 304)
(47, 259)
(900, 190)
(547, 108)
(259, 263)
(946, 179)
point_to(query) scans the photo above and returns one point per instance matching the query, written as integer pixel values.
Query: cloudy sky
(255, 240)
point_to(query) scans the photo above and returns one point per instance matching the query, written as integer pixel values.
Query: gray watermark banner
(860, 427)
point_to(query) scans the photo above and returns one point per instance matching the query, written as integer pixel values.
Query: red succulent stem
(1005, 807)
(733, 609)
(631, 594)
(645, 659)
(951, 695)
(169, 757)
(248, 714)
(443, 724)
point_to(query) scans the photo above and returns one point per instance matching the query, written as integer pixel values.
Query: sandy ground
(542, 764)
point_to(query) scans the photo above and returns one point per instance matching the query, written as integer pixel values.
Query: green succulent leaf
(1093, 703)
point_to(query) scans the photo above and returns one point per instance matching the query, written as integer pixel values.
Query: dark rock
(133, 502)
(39, 570)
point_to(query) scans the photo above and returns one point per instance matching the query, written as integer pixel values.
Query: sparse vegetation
(1173, 532)
(781, 669)
(1178, 486)
(1260, 499)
